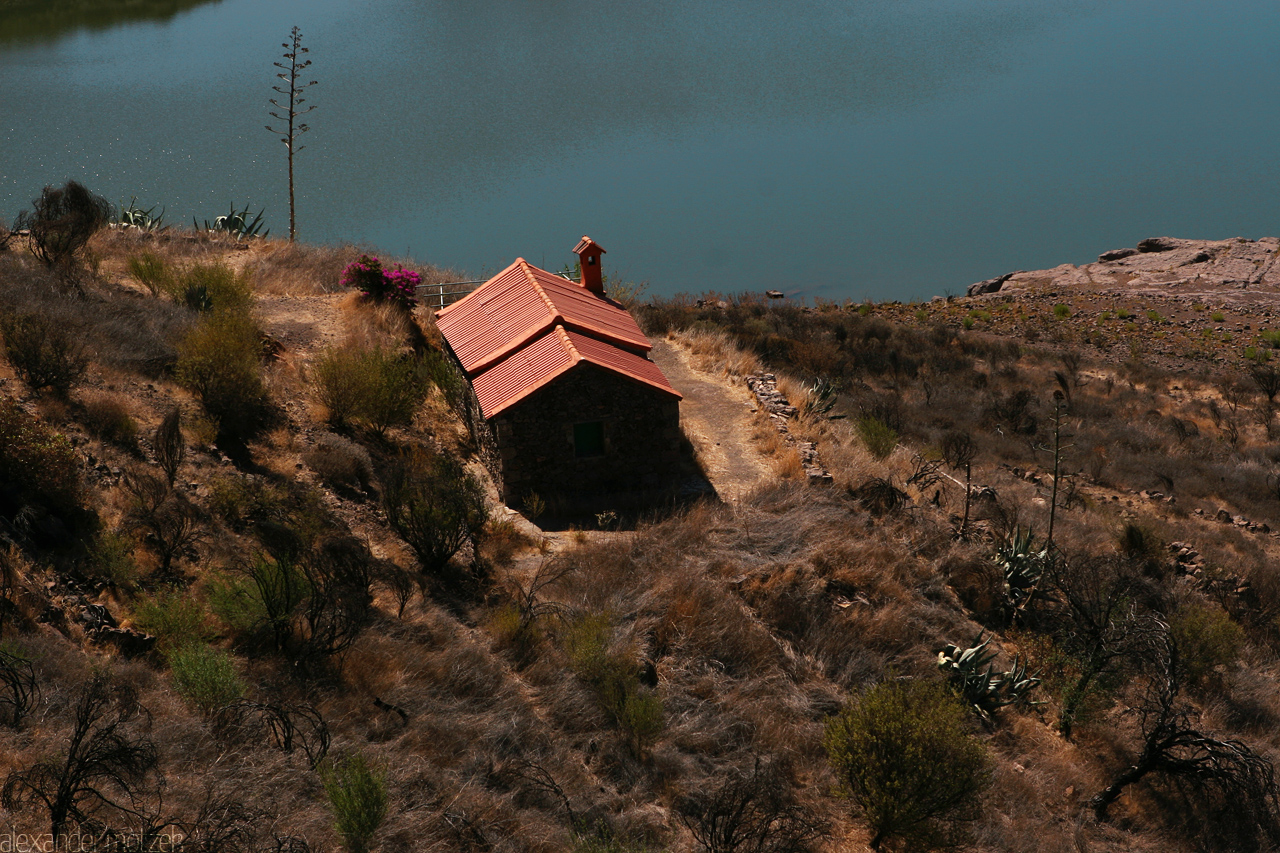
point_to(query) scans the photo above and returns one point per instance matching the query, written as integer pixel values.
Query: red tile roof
(522, 302)
(530, 368)
(526, 326)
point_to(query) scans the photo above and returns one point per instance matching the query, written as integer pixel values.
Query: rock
(1224, 517)
(991, 285)
(1116, 254)
(1158, 244)
(128, 642)
(773, 294)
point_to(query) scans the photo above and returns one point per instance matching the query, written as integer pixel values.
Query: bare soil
(716, 416)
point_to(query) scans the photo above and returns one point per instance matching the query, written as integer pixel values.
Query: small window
(588, 439)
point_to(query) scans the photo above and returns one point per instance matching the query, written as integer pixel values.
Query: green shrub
(879, 438)
(641, 718)
(220, 361)
(1062, 311)
(614, 676)
(357, 796)
(111, 558)
(212, 287)
(175, 619)
(1154, 316)
(1217, 316)
(1207, 639)
(1271, 337)
(380, 387)
(239, 500)
(44, 352)
(902, 752)
(1124, 313)
(204, 676)
(152, 272)
(36, 464)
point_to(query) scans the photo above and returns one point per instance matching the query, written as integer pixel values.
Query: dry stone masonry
(780, 410)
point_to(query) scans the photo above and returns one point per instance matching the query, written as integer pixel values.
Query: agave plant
(236, 223)
(1023, 565)
(820, 397)
(973, 675)
(134, 216)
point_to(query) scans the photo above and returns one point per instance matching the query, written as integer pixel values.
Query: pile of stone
(780, 410)
(1224, 517)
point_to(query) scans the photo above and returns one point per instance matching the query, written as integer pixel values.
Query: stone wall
(535, 442)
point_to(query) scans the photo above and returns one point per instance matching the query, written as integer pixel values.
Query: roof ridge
(526, 268)
(568, 343)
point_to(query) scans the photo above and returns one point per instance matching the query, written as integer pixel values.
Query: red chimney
(589, 252)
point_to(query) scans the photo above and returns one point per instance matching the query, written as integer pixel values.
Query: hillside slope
(625, 688)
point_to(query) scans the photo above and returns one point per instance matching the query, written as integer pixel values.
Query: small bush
(378, 386)
(220, 361)
(206, 677)
(107, 417)
(62, 220)
(1217, 316)
(111, 559)
(879, 438)
(37, 466)
(357, 796)
(397, 286)
(1062, 311)
(212, 287)
(1207, 640)
(614, 676)
(340, 463)
(168, 445)
(1271, 337)
(903, 753)
(435, 505)
(152, 272)
(44, 352)
(175, 619)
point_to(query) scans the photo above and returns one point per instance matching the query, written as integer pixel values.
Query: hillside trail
(716, 415)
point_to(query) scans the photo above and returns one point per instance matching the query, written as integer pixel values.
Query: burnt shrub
(45, 353)
(62, 220)
(435, 505)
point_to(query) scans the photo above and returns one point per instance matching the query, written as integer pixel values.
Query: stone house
(563, 399)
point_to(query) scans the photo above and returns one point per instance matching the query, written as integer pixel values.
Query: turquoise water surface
(891, 149)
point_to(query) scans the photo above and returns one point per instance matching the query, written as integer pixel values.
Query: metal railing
(437, 296)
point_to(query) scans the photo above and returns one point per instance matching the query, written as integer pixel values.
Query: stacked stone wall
(535, 442)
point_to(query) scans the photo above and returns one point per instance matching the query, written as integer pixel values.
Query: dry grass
(752, 622)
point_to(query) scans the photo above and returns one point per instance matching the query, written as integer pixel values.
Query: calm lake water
(891, 149)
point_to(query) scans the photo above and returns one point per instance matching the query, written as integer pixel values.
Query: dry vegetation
(216, 602)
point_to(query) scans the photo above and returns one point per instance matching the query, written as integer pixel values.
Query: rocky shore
(1238, 271)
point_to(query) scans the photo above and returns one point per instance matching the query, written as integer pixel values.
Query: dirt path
(716, 416)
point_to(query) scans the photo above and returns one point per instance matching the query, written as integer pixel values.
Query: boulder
(991, 285)
(1159, 244)
(1116, 254)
